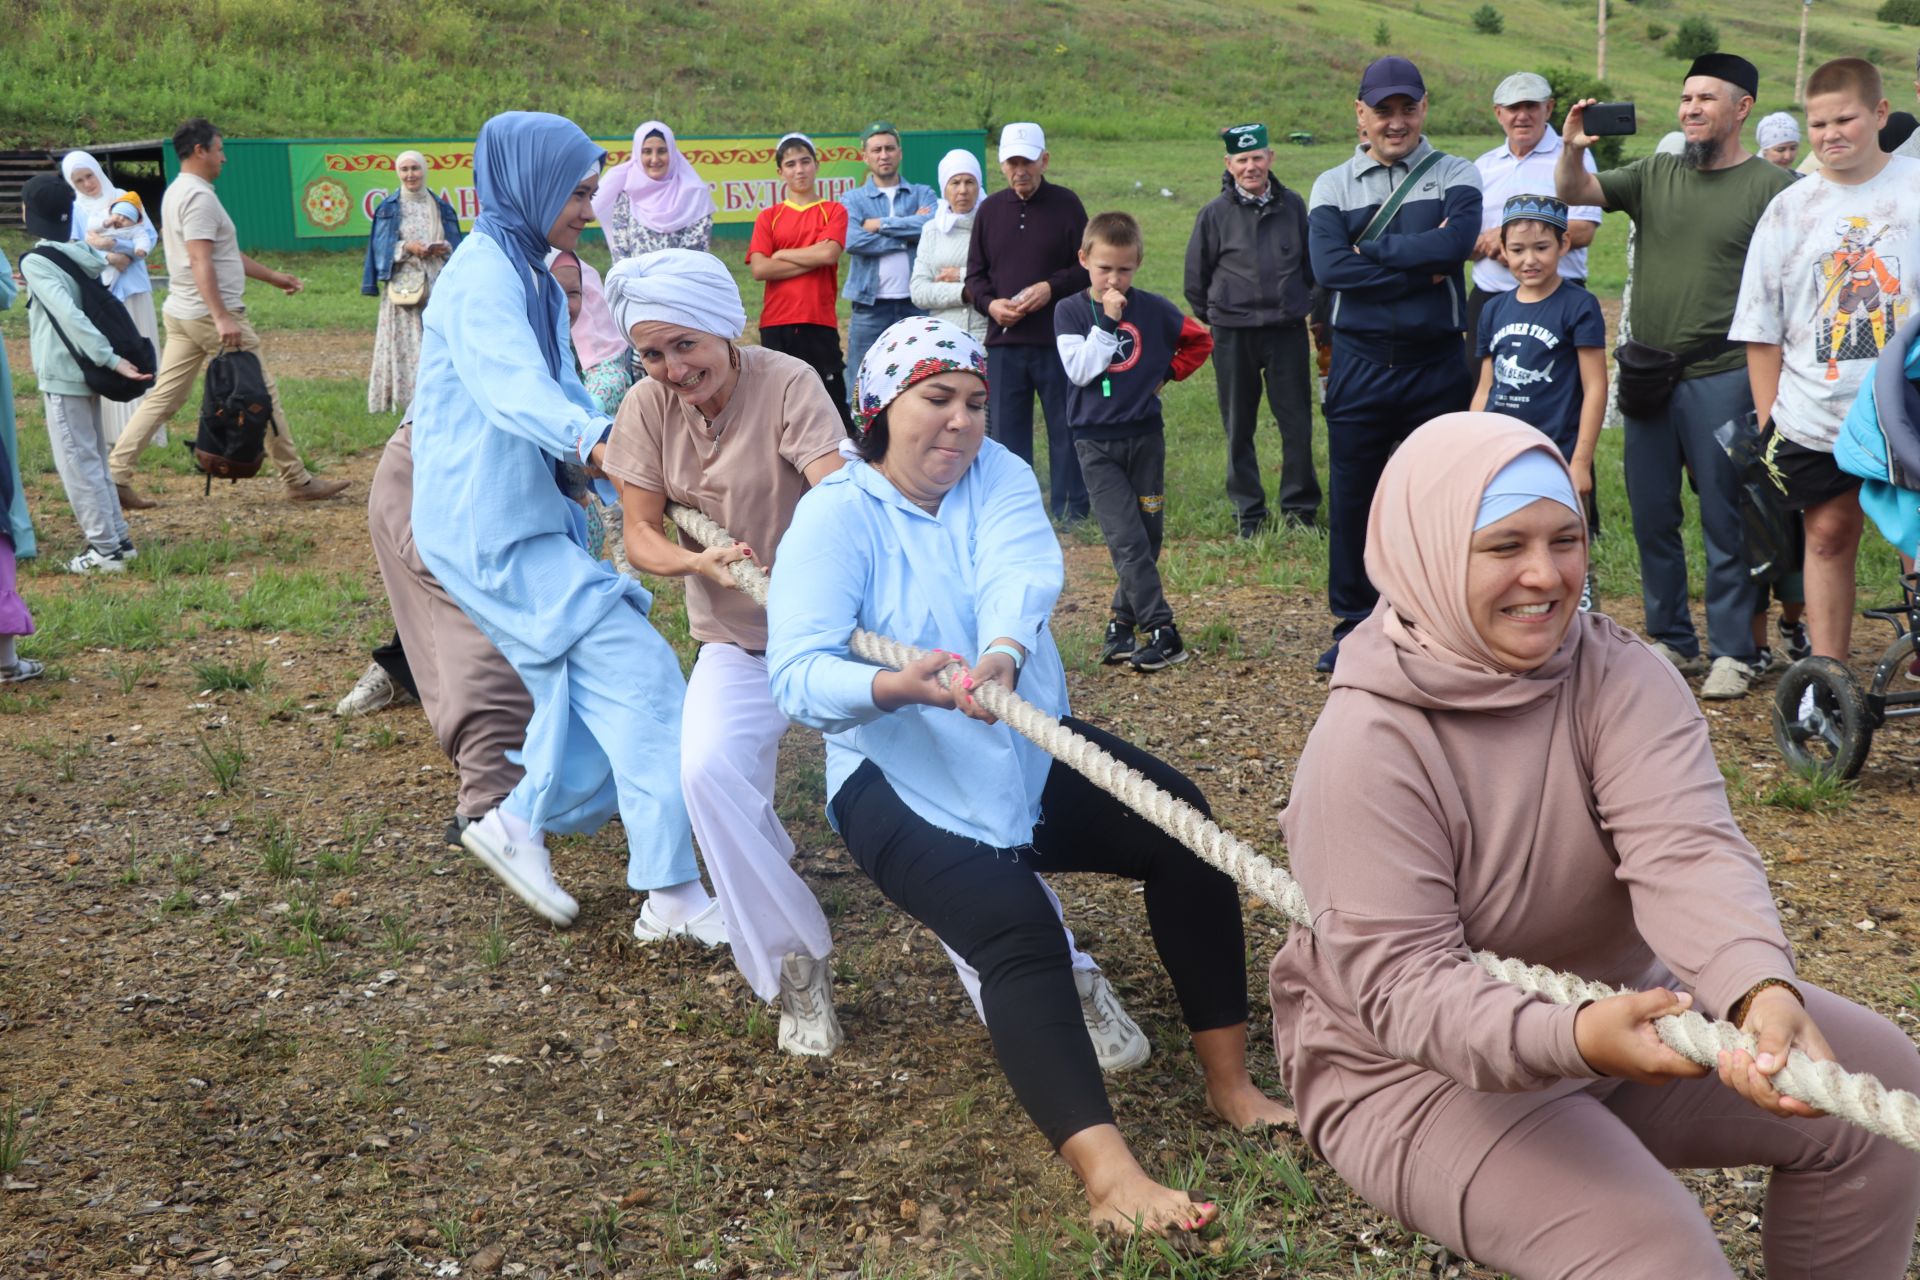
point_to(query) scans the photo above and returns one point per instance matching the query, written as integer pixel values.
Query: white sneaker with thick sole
(524, 866)
(374, 691)
(91, 561)
(1729, 678)
(1118, 1042)
(807, 1025)
(707, 928)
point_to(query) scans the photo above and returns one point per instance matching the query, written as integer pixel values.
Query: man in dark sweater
(1023, 258)
(1388, 231)
(1249, 277)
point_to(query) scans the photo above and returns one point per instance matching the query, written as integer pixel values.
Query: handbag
(408, 287)
(1648, 374)
(1766, 527)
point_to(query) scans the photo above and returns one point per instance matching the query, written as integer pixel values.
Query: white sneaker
(1729, 678)
(807, 1025)
(524, 866)
(707, 928)
(91, 561)
(374, 691)
(1117, 1039)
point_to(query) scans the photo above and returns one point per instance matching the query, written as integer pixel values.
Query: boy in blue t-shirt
(1120, 345)
(1543, 346)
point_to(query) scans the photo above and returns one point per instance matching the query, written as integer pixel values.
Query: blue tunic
(858, 553)
(489, 425)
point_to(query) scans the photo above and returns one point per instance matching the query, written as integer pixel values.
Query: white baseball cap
(1024, 140)
(1522, 86)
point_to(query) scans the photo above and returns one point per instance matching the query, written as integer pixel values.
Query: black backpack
(115, 323)
(236, 410)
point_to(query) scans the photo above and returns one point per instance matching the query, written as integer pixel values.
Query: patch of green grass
(601, 1229)
(1818, 793)
(375, 1063)
(68, 765)
(13, 1142)
(187, 867)
(279, 849)
(494, 947)
(224, 761)
(128, 675)
(1217, 636)
(179, 902)
(130, 874)
(398, 936)
(380, 737)
(452, 1230)
(222, 677)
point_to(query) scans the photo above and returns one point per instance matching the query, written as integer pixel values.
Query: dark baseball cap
(1385, 77)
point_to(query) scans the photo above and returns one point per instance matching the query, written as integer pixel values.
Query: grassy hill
(97, 70)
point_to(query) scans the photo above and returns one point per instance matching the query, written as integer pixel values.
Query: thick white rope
(1853, 1096)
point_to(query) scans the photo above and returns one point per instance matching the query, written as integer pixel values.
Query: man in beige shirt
(206, 313)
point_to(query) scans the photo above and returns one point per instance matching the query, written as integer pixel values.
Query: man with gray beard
(1680, 378)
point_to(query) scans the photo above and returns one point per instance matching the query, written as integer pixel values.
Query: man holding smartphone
(1694, 214)
(1523, 165)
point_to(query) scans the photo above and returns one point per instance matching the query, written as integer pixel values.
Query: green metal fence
(266, 198)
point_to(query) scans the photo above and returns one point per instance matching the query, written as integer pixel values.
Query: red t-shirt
(807, 299)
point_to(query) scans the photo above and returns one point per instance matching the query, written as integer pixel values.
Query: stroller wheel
(1820, 720)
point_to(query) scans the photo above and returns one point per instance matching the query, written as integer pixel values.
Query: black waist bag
(110, 316)
(236, 412)
(1649, 374)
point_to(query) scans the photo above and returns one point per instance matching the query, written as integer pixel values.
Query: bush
(1656, 32)
(1904, 12)
(1488, 22)
(1570, 86)
(1382, 35)
(1696, 36)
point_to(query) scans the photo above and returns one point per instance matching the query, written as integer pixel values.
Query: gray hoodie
(56, 298)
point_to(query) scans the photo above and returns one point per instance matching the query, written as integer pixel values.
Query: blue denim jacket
(900, 223)
(386, 238)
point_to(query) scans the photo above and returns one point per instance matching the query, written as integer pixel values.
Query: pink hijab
(596, 338)
(674, 202)
(1419, 532)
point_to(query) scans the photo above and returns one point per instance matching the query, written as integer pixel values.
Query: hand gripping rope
(1853, 1096)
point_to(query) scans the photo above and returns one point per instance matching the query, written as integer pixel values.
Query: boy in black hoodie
(1120, 345)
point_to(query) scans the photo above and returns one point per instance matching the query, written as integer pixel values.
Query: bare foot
(1138, 1203)
(1242, 1105)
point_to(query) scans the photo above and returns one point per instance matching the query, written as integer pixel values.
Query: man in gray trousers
(1249, 278)
(1694, 214)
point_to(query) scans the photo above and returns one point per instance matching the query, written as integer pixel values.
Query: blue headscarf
(525, 168)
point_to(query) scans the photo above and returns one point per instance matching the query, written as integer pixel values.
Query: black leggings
(986, 904)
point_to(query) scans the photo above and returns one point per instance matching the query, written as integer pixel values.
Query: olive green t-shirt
(1692, 227)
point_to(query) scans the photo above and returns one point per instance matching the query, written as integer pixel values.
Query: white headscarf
(953, 164)
(1776, 130)
(425, 192)
(85, 207)
(676, 286)
(1671, 144)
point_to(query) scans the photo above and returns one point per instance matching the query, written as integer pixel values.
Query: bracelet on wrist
(1019, 658)
(1739, 1015)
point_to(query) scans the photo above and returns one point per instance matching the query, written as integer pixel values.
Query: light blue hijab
(525, 167)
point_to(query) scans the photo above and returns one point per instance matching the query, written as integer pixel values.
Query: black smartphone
(1610, 119)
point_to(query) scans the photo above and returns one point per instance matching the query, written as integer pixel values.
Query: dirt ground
(280, 1028)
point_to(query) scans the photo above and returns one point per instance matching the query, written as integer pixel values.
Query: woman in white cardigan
(940, 267)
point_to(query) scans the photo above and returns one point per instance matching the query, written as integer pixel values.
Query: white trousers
(730, 736)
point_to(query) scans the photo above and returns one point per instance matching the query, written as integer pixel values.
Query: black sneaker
(1793, 638)
(1163, 649)
(1119, 642)
(1323, 665)
(455, 829)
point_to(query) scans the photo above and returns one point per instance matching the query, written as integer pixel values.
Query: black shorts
(1804, 477)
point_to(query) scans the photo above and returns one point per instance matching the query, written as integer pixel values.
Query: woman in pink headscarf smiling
(1495, 770)
(654, 200)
